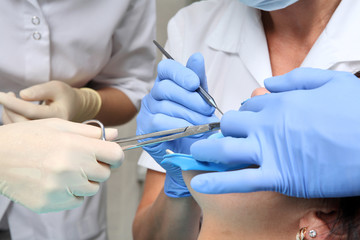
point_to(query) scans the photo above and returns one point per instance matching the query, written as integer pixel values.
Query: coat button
(35, 20)
(36, 36)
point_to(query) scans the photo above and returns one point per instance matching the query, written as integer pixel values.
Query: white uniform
(107, 42)
(230, 35)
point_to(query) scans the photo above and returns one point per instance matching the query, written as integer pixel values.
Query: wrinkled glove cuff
(174, 189)
(90, 101)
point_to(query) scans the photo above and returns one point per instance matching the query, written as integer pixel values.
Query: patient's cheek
(259, 91)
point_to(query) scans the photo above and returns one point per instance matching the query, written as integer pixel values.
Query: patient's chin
(210, 202)
(250, 208)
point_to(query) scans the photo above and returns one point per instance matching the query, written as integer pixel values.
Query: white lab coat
(230, 35)
(107, 42)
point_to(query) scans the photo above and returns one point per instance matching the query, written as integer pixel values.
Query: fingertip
(26, 94)
(195, 59)
(200, 184)
(272, 83)
(299, 79)
(111, 133)
(237, 123)
(196, 63)
(239, 181)
(11, 94)
(86, 191)
(215, 183)
(119, 156)
(182, 76)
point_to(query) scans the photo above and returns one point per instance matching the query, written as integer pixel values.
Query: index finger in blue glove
(299, 79)
(240, 181)
(196, 63)
(181, 75)
(255, 104)
(168, 90)
(178, 111)
(228, 151)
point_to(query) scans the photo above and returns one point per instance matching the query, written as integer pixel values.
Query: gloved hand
(60, 101)
(305, 142)
(173, 103)
(51, 164)
(187, 162)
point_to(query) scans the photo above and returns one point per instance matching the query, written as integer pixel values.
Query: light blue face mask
(268, 5)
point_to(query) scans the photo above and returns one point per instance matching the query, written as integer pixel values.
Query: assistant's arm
(161, 217)
(129, 74)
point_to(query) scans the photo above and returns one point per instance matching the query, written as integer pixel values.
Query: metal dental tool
(204, 94)
(161, 136)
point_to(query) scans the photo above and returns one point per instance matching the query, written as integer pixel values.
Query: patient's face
(249, 212)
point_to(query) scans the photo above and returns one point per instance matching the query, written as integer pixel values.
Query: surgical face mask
(268, 5)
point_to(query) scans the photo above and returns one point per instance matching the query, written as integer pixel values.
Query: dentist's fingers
(256, 103)
(300, 79)
(80, 128)
(175, 71)
(196, 63)
(234, 152)
(238, 123)
(178, 111)
(86, 190)
(45, 91)
(168, 90)
(86, 140)
(12, 117)
(242, 181)
(69, 201)
(96, 171)
(27, 109)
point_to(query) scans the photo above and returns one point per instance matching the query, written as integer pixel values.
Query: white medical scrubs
(107, 43)
(230, 35)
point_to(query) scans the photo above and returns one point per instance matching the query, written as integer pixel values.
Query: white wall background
(125, 183)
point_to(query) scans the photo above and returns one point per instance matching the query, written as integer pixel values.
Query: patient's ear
(322, 222)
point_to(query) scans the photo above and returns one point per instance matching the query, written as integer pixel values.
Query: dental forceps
(162, 136)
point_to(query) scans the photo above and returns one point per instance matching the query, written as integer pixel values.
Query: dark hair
(348, 220)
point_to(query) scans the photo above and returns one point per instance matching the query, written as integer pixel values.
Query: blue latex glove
(305, 142)
(173, 103)
(187, 162)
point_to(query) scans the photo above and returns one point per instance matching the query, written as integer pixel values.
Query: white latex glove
(51, 164)
(59, 100)
(10, 116)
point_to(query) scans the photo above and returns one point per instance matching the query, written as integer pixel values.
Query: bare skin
(158, 216)
(290, 33)
(115, 101)
(260, 215)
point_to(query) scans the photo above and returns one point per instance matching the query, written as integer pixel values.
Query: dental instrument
(203, 93)
(162, 136)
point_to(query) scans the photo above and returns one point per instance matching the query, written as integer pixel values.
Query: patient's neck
(291, 32)
(303, 20)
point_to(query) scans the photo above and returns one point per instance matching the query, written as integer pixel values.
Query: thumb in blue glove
(305, 142)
